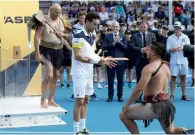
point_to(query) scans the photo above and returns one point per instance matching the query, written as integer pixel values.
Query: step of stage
(16, 111)
(32, 121)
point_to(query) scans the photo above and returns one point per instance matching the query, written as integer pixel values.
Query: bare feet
(43, 103)
(184, 129)
(179, 130)
(52, 103)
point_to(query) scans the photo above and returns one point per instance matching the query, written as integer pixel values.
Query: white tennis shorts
(82, 86)
(178, 69)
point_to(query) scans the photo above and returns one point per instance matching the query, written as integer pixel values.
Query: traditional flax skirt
(161, 106)
(53, 55)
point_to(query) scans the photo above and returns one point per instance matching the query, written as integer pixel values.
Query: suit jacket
(137, 44)
(117, 49)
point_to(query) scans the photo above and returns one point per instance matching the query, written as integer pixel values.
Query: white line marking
(7, 132)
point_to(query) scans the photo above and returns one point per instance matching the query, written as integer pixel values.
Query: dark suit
(137, 44)
(115, 50)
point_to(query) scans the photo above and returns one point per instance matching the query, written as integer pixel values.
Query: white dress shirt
(174, 42)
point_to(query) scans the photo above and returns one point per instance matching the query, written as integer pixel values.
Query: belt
(156, 98)
(51, 45)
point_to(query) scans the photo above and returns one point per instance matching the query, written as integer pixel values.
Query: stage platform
(26, 112)
(27, 121)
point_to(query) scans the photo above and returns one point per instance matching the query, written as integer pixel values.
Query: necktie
(115, 36)
(144, 39)
(144, 43)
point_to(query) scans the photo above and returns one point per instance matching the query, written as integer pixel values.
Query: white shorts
(82, 86)
(178, 69)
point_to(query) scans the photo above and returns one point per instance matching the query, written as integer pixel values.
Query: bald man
(115, 44)
(48, 51)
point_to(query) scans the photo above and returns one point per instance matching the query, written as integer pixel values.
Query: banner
(18, 68)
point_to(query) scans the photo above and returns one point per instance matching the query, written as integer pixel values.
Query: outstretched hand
(110, 63)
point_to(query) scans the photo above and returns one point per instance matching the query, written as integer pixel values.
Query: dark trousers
(119, 70)
(143, 62)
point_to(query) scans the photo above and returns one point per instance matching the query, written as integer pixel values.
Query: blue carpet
(104, 117)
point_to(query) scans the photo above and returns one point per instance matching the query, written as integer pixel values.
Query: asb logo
(16, 19)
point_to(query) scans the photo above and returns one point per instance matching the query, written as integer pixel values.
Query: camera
(188, 51)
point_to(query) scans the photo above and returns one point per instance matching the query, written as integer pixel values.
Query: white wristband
(93, 62)
(95, 59)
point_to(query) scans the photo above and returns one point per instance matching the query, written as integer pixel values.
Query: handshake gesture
(109, 61)
(143, 50)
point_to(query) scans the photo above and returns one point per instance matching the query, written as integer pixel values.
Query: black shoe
(85, 132)
(109, 99)
(71, 99)
(68, 85)
(61, 86)
(120, 99)
(94, 97)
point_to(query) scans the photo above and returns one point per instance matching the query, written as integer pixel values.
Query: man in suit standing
(139, 42)
(115, 45)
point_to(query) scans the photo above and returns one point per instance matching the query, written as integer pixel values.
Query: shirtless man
(48, 51)
(154, 83)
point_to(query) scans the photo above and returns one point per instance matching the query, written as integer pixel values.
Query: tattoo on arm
(37, 37)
